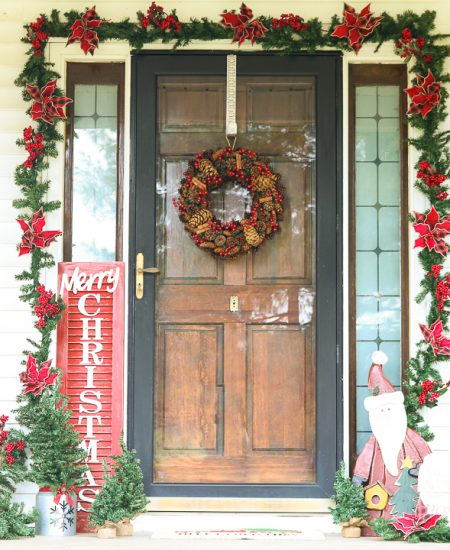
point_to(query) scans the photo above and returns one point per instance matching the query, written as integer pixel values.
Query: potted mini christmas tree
(57, 458)
(350, 506)
(121, 498)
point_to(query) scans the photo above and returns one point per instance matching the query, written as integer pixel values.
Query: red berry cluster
(9, 446)
(295, 22)
(158, 18)
(37, 36)
(34, 145)
(427, 173)
(408, 46)
(442, 292)
(47, 306)
(429, 393)
(435, 270)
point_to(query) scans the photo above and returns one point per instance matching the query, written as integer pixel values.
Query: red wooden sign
(90, 354)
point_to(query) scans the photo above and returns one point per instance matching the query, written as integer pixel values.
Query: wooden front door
(225, 398)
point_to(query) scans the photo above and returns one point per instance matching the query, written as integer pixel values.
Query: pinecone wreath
(210, 170)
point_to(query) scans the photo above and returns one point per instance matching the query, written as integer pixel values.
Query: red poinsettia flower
(356, 26)
(420, 521)
(432, 230)
(425, 95)
(82, 31)
(245, 27)
(439, 343)
(35, 378)
(47, 106)
(33, 234)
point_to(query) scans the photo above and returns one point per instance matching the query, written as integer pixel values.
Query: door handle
(140, 270)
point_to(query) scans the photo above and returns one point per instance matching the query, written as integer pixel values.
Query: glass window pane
(366, 184)
(94, 179)
(378, 237)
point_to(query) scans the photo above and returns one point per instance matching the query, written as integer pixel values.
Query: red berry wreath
(210, 170)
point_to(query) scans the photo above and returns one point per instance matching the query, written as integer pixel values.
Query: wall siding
(16, 323)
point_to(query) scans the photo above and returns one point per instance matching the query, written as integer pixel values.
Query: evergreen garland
(431, 143)
(14, 522)
(439, 533)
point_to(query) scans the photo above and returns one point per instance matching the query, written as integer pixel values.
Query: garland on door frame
(414, 41)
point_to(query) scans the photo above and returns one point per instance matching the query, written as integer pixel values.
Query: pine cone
(268, 206)
(240, 238)
(233, 251)
(207, 168)
(220, 240)
(279, 207)
(252, 236)
(231, 241)
(202, 216)
(260, 227)
(263, 183)
(210, 235)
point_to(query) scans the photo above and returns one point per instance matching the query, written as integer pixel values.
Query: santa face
(388, 422)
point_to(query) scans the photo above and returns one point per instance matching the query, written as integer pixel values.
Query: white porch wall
(16, 323)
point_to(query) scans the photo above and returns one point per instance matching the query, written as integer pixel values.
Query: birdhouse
(377, 496)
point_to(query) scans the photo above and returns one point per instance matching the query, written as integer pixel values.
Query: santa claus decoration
(388, 466)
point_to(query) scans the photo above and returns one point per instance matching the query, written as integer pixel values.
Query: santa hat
(384, 392)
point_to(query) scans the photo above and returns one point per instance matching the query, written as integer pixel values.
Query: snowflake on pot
(432, 230)
(356, 27)
(82, 31)
(34, 235)
(47, 106)
(62, 515)
(245, 27)
(424, 95)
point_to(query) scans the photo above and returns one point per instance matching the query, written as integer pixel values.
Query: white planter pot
(56, 519)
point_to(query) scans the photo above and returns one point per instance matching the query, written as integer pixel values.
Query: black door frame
(326, 67)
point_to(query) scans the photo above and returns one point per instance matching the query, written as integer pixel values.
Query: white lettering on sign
(82, 305)
(86, 495)
(79, 280)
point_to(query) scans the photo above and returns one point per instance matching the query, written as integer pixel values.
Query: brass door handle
(140, 270)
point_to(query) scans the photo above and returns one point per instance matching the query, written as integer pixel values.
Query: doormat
(239, 534)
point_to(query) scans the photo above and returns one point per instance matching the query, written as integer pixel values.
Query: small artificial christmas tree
(14, 522)
(350, 506)
(122, 496)
(54, 443)
(405, 499)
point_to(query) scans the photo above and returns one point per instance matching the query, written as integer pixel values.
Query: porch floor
(143, 540)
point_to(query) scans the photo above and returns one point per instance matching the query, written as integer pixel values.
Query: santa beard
(388, 421)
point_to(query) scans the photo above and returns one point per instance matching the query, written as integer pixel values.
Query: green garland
(432, 145)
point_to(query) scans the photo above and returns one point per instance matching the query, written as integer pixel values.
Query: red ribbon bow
(63, 490)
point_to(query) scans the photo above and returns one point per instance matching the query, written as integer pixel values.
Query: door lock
(140, 270)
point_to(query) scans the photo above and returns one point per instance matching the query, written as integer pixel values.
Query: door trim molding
(327, 68)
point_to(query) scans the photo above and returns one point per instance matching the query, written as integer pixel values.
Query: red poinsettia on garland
(425, 95)
(245, 27)
(413, 523)
(356, 27)
(34, 235)
(36, 379)
(432, 230)
(439, 343)
(82, 31)
(47, 106)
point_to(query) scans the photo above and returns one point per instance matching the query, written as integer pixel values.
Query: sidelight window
(378, 230)
(93, 188)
